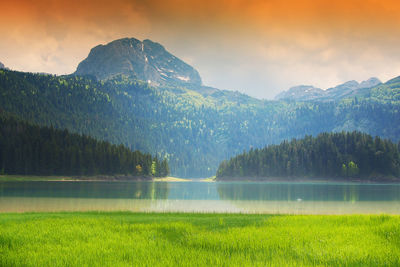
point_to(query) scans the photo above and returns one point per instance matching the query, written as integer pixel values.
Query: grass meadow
(168, 239)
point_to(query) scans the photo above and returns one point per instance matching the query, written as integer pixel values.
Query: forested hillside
(193, 129)
(34, 150)
(329, 155)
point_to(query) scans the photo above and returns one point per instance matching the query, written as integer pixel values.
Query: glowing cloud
(258, 47)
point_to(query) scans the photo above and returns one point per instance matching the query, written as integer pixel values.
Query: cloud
(259, 47)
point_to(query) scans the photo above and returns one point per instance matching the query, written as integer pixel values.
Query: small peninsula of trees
(32, 150)
(352, 155)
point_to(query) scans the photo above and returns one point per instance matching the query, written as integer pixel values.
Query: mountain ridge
(148, 61)
(311, 93)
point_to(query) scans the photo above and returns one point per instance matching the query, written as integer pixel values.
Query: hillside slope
(334, 156)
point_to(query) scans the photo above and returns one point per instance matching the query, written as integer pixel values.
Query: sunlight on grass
(137, 239)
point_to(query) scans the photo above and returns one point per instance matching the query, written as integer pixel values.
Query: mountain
(2, 66)
(301, 93)
(147, 61)
(371, 82)
(194, 132)
(193, 126)
(345, 90)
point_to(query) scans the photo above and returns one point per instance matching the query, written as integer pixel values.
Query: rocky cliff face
(301, 93)
(147, 61)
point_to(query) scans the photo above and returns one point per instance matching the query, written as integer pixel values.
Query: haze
(256, 47)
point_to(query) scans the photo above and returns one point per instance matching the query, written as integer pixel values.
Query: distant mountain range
(2, 66)
(345, 90)
(160, 106)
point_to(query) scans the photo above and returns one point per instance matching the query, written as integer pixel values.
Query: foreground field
(137, 239)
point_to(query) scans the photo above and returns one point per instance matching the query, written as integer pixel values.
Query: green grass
(138, 239)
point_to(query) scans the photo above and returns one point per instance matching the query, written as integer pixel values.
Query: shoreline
(95, 178)
(171, 179)
(309, 180)
(128, 178)
(54, 178)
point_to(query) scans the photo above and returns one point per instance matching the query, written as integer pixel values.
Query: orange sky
(254, 46)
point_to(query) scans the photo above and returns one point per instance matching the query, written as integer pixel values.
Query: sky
(258, 47)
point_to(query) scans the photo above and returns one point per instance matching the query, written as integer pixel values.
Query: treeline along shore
(332, 156)
(27, 149)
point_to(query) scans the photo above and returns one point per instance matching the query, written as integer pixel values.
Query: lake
(196, 196)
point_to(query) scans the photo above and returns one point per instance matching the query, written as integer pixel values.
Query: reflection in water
(312, 198)
(135, 190)
(308, 192)
(295, 198)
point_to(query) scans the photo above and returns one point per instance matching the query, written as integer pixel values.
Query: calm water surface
(243, 197)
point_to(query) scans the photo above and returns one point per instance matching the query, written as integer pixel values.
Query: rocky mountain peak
(301, 92)
(148, 61)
